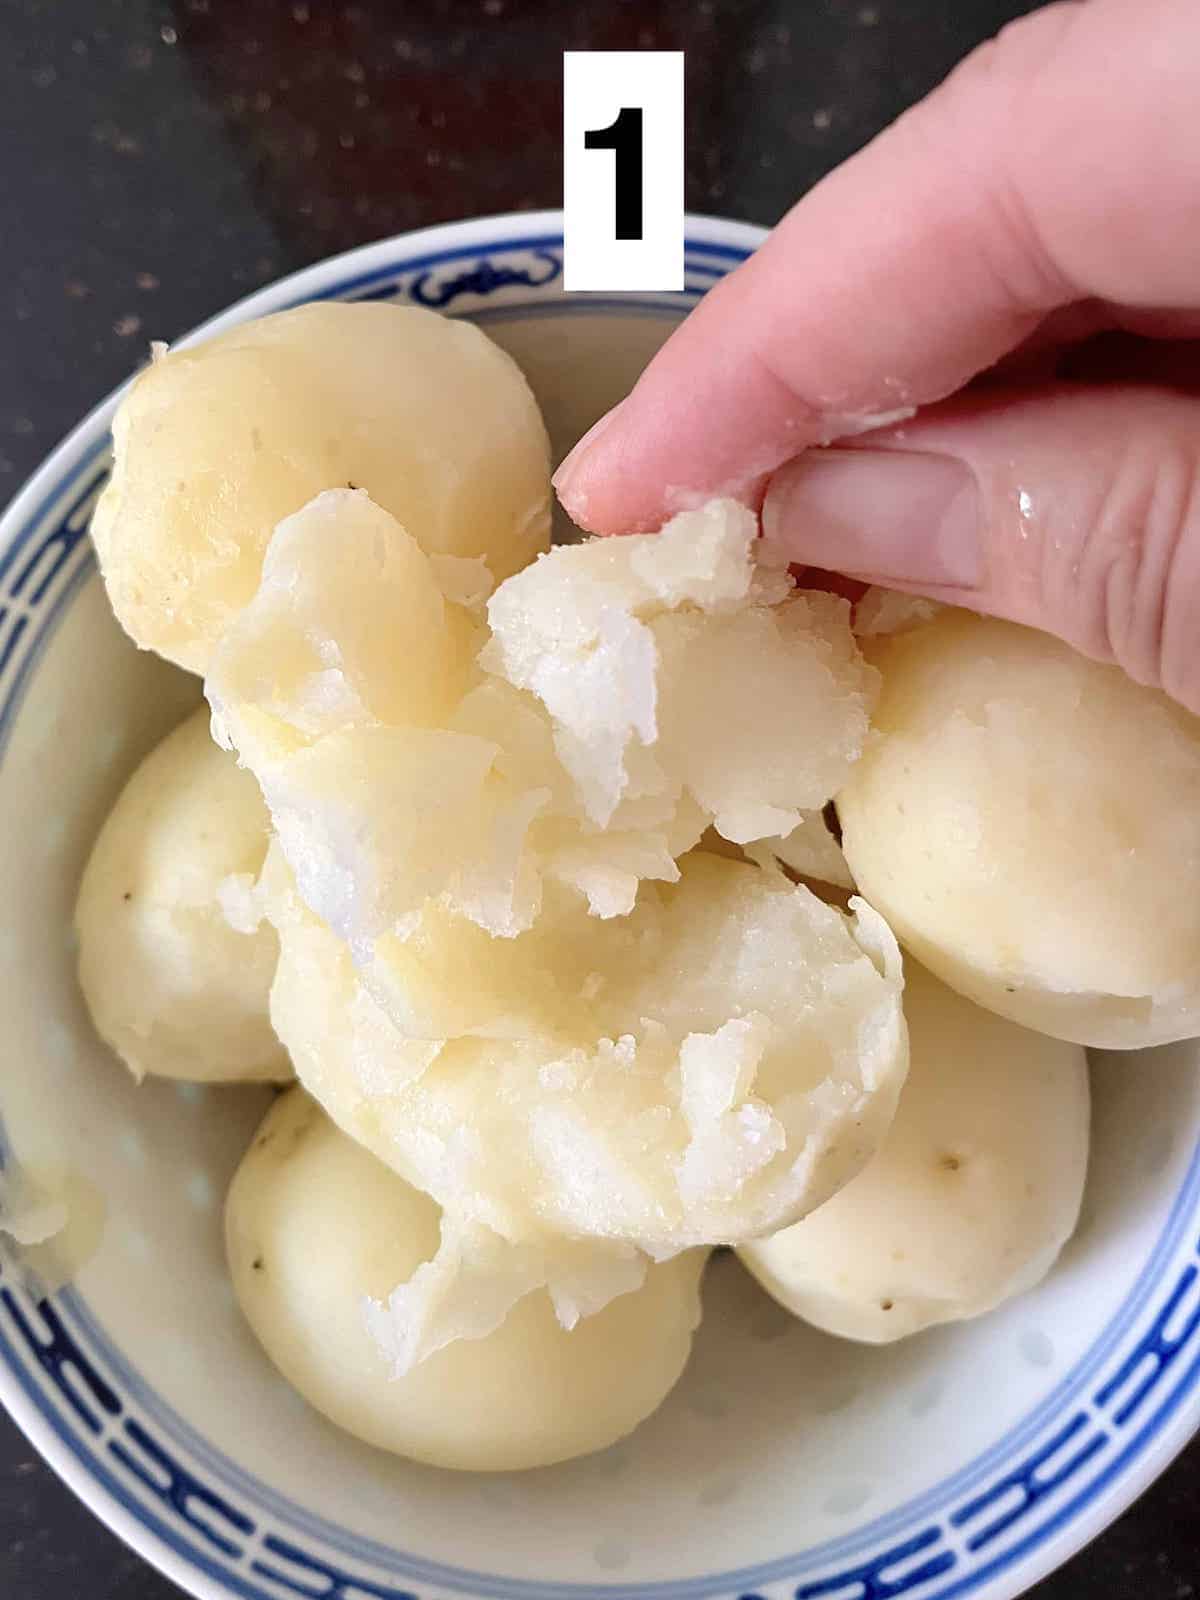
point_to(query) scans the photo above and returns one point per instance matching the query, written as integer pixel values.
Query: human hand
(1032, 230)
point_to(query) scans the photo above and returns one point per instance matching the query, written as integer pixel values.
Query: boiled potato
(171, 983)
(215, 444)
(975, 1192)
(706, 1069)
(1027, 822)
(316, 1226)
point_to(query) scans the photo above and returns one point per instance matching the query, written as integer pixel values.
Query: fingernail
(897, 515)
(569, 465)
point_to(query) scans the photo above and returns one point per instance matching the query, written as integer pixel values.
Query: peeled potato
(704, 1070)
(172, 984)
(1027, 822)
(974, 1193)
(215, 444)
(315, 1226)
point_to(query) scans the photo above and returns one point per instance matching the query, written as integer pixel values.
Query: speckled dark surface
(157, 161)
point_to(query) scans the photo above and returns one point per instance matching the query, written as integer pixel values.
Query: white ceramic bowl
(969, 1460)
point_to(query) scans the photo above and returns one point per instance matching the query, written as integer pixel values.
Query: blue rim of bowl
(1085, 1451)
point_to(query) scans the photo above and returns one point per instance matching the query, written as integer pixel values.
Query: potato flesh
(880, 612)
(172, 984)
(1026, 821)
(716, 1063)
(973, 1195)
(215, 445)
(596, 737)
(810, 851)
(649, 644)
(315, 1227)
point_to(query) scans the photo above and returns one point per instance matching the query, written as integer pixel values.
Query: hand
(1019, 257)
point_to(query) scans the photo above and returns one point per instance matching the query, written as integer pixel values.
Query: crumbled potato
(1026, 820)
(667, 660)
(175, 969)
(627, 696)
(885, 611)
(215, 445)
(704, 1070)
(315, 1226)
(810, 850)
(974, 1193)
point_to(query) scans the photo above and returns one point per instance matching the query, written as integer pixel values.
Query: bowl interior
(785, 1461)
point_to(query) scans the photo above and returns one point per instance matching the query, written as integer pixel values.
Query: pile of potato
(519, 860)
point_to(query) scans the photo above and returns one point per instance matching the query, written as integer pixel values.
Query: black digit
(624, 136)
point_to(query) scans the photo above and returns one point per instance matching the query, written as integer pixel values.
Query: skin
(1015, 259)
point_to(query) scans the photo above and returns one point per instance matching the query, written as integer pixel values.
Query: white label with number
(623, 169)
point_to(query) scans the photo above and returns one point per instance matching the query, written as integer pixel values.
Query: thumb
(1071, 509)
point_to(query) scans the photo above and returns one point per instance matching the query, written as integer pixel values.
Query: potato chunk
(174, 967)
(316, 1227)
(215, 445)
(666, 661)
(627, 696)
(1027, 822)
(974, 1193)
(704, 1070)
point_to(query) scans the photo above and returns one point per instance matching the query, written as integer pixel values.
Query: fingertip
(594, 485)
(573, 465)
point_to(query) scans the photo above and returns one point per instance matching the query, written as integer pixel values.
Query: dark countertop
(158, 161)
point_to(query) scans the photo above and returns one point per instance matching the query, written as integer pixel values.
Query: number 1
(624, 137)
